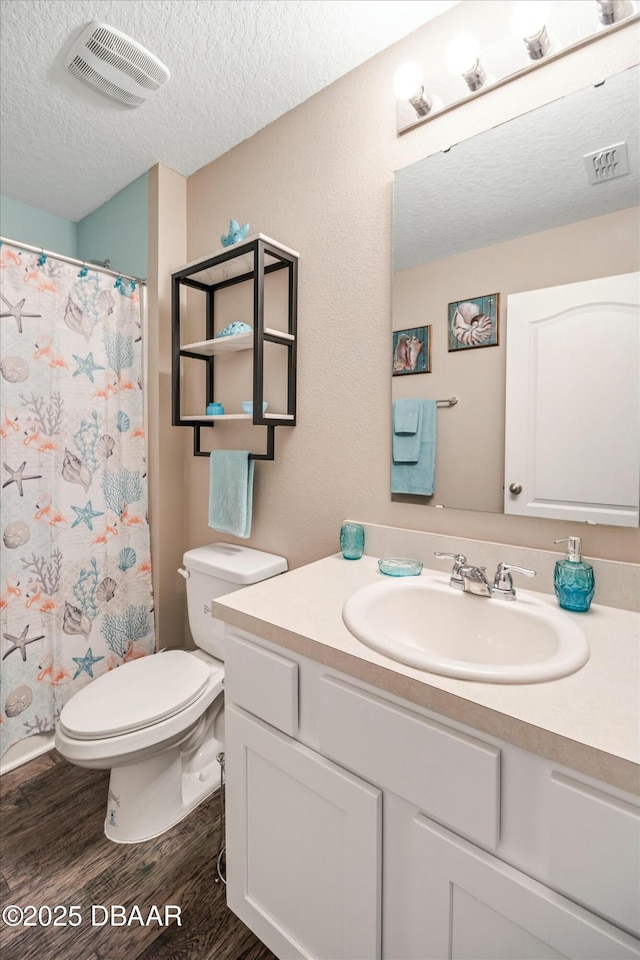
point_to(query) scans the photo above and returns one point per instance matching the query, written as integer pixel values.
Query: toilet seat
(142, 694)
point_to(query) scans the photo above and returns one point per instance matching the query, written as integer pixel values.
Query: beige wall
(319, 179)
(470, 452)
(166, 444)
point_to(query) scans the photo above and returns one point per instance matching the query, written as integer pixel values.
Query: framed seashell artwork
(411, 351)
(473, 323)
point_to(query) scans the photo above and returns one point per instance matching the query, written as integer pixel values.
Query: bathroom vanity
(379, 811)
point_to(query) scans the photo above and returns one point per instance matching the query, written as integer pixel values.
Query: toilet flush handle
(184, 573)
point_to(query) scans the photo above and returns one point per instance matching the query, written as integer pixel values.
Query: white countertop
(588, 721)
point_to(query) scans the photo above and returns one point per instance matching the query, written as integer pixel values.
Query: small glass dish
(397, 567)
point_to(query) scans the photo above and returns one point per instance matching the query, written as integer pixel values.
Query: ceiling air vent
(115, 65)
(607, 164)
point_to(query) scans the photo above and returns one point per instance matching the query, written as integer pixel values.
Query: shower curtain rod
(61, 256)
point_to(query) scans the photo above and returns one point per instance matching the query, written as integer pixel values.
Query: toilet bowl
(157, 722)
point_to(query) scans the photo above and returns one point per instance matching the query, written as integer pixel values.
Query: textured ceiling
(235, 65)
(519, 178)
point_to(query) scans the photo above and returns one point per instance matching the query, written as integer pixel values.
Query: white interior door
(573, 402)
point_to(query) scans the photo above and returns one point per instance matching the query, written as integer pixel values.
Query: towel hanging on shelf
(231, 492)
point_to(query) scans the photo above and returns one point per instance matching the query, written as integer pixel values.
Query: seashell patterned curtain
(75, 583)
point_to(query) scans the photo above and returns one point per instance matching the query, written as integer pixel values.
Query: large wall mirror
(509, 225)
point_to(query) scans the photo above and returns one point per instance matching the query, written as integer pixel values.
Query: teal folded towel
(419, 477)
(406, 415)
(407, 423)
(231, 491)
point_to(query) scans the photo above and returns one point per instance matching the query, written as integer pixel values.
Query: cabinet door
(472, 906)
(572, 417)
(303, 846)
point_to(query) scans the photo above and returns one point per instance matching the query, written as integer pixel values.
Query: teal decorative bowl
(247, 406)
(397, 567)
(234, 328)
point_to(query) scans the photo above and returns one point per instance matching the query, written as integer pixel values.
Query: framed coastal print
(473, 323)
(411, 351)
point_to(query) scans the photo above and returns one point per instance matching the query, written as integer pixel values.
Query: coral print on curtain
(76, 574)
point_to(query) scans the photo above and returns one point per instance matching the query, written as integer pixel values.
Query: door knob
(515, 488)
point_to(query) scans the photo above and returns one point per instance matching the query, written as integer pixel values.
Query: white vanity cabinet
(360, 825)
(474, 906)
(303, 835)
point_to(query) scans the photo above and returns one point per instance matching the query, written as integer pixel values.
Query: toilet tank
(212, 572)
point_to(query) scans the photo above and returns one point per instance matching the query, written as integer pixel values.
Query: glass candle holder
(352, 541)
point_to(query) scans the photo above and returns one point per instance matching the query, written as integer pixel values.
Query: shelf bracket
(269, 455)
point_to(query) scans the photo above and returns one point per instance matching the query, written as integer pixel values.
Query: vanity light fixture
(532, 22)
(529, 21)
(463, 57)
(408, 85)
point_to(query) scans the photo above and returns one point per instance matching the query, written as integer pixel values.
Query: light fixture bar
(629, 20)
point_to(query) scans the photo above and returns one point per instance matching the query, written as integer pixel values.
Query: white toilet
(158, 722)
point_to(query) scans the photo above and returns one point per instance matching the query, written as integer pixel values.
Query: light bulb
(407, 81)
(462, 54)
(407, 85)
(529, 18)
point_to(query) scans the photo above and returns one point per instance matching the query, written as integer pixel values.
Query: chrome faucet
(472, 579)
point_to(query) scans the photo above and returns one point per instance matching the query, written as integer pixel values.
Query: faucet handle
(503, 582)
(459, 560)
(458, 557)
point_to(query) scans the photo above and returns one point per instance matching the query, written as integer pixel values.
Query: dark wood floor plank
(53, 850)
(27, 771)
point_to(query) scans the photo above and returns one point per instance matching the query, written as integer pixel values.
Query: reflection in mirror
(508, 211)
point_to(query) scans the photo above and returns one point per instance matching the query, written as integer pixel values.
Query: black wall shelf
(246, 262)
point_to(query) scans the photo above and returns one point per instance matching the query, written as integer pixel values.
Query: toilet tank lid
(234, 563)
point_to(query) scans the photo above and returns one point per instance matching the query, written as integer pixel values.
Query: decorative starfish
(86, 515)
(18, 478)
(86, 664)
(86, 365)
(16, 311)
(19, 643)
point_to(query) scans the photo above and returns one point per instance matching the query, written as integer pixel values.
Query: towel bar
(269, 455)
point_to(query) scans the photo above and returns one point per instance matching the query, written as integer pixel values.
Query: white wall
(319, 179)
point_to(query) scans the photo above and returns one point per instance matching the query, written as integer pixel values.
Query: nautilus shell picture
(474, 323)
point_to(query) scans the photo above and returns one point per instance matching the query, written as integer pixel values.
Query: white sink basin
(425, 623)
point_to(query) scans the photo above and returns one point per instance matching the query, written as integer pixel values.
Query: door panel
(474, 906)
(303, 846)
(572, 402)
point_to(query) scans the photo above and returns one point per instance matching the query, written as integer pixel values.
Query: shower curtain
(76, 573)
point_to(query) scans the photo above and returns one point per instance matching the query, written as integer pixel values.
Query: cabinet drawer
(457, 778)
(262, 682)
(594, 850)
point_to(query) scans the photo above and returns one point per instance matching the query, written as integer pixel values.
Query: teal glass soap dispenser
(573, 579)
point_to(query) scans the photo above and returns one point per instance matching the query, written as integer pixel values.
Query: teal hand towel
(231, 492)
(406, 415)
(419, 478)
(407, 423)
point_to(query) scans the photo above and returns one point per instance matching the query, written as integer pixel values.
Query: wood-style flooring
(53, 851)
